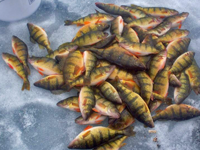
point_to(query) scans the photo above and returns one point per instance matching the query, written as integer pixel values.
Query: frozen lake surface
(30, 120)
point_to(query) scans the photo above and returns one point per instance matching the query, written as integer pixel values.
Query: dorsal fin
(97, 11)
(88, 127)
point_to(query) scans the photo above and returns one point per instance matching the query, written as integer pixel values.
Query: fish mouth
(29, 25)
(3, 55)
(14, 37)
(99, 5)
(185, 14)
(30, 60)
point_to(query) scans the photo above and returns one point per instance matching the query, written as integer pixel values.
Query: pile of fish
(122, 76)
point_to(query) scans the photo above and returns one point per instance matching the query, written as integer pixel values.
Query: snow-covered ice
(30, 120)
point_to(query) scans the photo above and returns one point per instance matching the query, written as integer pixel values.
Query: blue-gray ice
(30, 120)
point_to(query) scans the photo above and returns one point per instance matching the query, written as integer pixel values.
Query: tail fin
(87, 80)
(68, 22)
(49, 50)
(26, 67)
(26, 85)
(129, 131)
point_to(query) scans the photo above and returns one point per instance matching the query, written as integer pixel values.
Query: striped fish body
(117, 26)
(172, 35)
(146, 86)
(20, 49)
(38, 35)
(119, 56)
(193, 73)
(177, 112)
(73, 66)
(140, 32)
(174, 81)
(66, 44)
(52, 82)
(181, 93)
(119, 72)
(157, 63)
(161, 12)
(105, 42)
(113, 9)
(166, 100)
(136, 13)
(146, 22)
(99, 75)
(90, 38)
(14, 63)
(161, 82)
(125, 120)
(114, 144)
(130, 35)
(70, 103)
(138, 49)
(86, 101)
(127, 19)
(161, 29)
(89, 63)
(64, 51)
(135, 104)
(91, 18)
(182, 62)
(106, 107)
(95, 118)
(91, 27)
(131, 85)
(109, 92)
(45, 66)
(96, 136)
(177, 47)
(178, 19)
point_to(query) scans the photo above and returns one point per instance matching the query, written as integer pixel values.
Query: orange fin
(99, 115)
(87, 22)
(78, 69)
(13, 50)
(86, 134)
(10, 66)
(77, 109)
(41, 73)
(98, 121)
(40, 69)
(137, 53)
(102, 105)
(123, 144)
(190, 74)
(180, 25)
(79, 24)
(150, 27)
(88, 127)
(162, 17)
(99, 83)
(129, 53)
(84, 102)
(95, 110)
(51, 77)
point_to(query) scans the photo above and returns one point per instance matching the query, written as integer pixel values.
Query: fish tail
(87, 80)
(26, 85)
(129, 131)
(26, 67)
(49, 50)
(68, 22)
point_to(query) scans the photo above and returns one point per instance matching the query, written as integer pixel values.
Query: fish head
(79, 120)
(184, 14)
(114, 113)
(15, 38)
(30, 26)
(75, 144)
(157, 19)
(32, 60)
(168, 24)
(103, 26)
(100, 5)
(5, 57)
(63, 103)
(186, 32)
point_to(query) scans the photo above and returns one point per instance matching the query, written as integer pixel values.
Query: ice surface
(32, 121)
